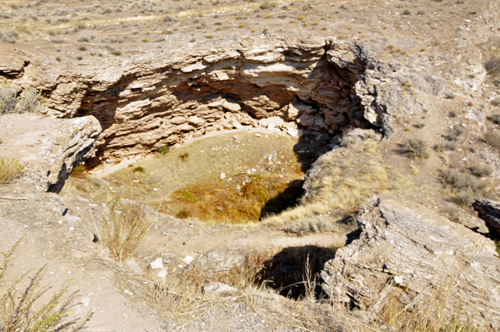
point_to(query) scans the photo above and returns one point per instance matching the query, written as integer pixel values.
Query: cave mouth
(300, 91)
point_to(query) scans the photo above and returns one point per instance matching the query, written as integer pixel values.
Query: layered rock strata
(411, 254)
(320, 85)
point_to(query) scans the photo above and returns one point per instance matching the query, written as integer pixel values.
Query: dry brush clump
(21, 308)
(462, 187)
(493, 139)
(310, 226)
(9, 169)
(28, 101)
(415, 148)
(124, 227)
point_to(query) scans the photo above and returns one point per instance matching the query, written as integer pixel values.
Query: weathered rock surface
(324, 84)
(409, 252)
(489, 211)
(48, 148)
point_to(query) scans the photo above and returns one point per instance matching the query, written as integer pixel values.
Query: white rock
(222, 175)
(188, 260)
(85, 301)
(292, 132)
(217, 287)
(398, 280)
(157, 263)
(163, 273)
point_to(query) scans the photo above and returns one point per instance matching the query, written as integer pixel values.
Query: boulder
(408, 252)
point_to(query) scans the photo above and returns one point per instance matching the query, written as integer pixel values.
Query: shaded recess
(294, 271)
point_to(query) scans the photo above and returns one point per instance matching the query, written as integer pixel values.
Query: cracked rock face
(410, 252)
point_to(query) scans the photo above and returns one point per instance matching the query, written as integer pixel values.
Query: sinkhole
(229, 136)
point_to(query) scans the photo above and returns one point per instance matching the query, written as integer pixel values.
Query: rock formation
(48, 148)
(412, 254)
(321, 85)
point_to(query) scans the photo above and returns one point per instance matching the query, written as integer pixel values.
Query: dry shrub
(9, 169)
(21, 310)
(462, 187)
(29, 101)
(310, 226)
(415, 148)
(445, 146)
(346, 177)
(492, 139)
(124, 227)
(8, 99)
(480, 170)
(492, 67)
(495, 118)
(455, 134)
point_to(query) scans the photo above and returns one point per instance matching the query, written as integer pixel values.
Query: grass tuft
(124, 228)
(9, 169)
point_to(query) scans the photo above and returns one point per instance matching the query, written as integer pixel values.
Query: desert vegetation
(21, 308)
(11, 102)
(9, 169)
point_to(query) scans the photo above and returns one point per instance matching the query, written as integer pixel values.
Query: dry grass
(21, 310)
(349, 176)
(180, 296)
(445, 146)
(124, 228)
(9, 169)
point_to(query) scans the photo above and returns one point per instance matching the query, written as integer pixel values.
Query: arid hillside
(250, 165)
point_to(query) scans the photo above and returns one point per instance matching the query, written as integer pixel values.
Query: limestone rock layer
(318, 84)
